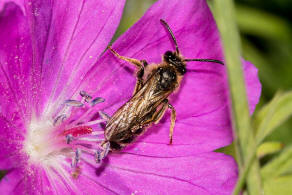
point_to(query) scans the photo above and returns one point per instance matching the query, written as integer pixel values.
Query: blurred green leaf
(2, 173)
(229, 150)
(283, 133)
(272, 115)
(257, 22)
(269, 148)
(133, 11)
(267, 73)
(279, 186)
(278, 166)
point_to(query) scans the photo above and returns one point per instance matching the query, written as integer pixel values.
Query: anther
(97, 156)
(74, 103)
(85, 95)
(69, 138)
(76, 158)
(59, 119)
(97, 101)
(104, 115)
(106, 150)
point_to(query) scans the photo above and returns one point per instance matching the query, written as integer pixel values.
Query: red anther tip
(77, 131)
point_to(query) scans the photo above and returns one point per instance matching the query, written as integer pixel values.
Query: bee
(149, 101)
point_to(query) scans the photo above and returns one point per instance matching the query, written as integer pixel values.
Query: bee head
(175, 60)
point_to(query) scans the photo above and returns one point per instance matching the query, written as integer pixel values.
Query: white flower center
(39, 144)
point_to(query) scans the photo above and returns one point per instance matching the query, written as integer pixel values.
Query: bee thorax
(167, 79)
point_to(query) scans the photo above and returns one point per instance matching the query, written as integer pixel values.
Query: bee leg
(139, 75)
(173, 118)
(104, 115)
(140, 64)
(160, 113)
(139, 83)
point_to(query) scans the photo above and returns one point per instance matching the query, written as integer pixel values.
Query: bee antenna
(204, 60)
(171, 33)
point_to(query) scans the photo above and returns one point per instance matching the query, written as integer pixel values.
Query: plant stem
(240, 113)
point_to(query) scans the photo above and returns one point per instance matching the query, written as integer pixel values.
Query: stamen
(97, 133)
(89, 151)
(60, 136)
(76, 158)
(101, 154)
(69, 138)
(85, 96)
(97, 156)
(94, 122)
(97, 101)
(106, 149)
(74, 103)
(89, 139)
(59, 119)
(84, 139)
(104, 115)
(89, 161)
(80, 138)
(87, 143)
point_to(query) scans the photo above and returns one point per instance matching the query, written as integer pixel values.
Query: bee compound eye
(168, 55)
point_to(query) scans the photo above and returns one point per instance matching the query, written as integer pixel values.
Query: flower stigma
(68, 135)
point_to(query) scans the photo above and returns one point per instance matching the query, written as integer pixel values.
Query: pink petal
(209, 173)
(11, 143)
(25, 180)
(20, 3)
(253, 84)
(15, 61)
(68, 37)
(35, 180)
(10, 181)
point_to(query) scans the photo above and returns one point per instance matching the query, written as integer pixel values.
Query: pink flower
(49, 54)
